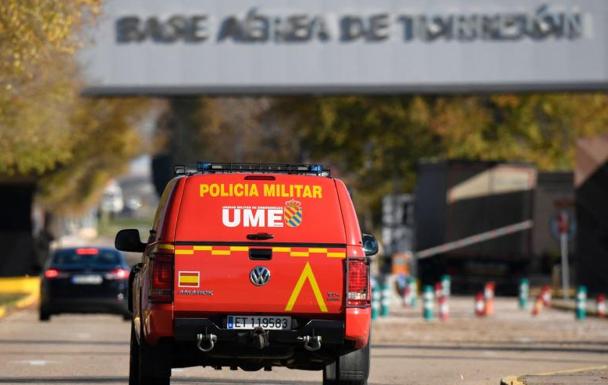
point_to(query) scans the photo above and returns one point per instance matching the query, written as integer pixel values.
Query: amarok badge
(293, 213)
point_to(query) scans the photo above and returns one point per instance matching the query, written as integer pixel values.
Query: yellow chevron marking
(239, 248)
(281, 249)
(337, 254)
(299, 254)
(185, 252)
(203, 248)
(220, 252)
(317, 250)
(307, 274)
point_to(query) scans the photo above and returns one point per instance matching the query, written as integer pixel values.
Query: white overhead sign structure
(346, 46)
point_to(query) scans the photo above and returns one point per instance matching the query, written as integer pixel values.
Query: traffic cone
(538, 306)
(524, 293)
(601, 305)
(444, 308)
(428, 303)
(488, 294)
(581, 303)
(546, 295)
(480, 305)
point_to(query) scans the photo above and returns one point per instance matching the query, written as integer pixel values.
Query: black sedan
(85, 280)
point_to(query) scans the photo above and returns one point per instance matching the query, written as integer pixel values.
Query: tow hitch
(260, 338)
(311, 343)
(205, 342)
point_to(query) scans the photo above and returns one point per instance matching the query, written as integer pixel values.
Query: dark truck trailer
(19, 254)
(456, 199)
(592, 213)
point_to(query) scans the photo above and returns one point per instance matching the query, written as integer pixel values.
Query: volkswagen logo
(259, 276)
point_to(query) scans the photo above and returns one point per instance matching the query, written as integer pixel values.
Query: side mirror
(370, 245)
(128, 240)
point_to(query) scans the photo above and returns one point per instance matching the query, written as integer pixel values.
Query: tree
(376, 142)
(71, 145)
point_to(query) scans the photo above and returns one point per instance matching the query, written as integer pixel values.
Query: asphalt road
(75, 349)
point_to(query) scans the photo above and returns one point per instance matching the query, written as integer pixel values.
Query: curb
(29, 286)
(518, 380)
(559, 305)
(511, 380)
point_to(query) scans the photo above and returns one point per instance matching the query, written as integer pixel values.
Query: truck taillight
(162, 278)
(358, 283)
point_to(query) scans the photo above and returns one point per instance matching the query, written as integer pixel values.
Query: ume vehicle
(251, 266)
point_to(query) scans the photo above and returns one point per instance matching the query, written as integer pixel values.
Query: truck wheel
(154, 363)
(348, 369)
(44, 315)
(133, 359)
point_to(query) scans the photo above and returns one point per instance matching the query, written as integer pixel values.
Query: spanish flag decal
(307, 275)
(189, 279)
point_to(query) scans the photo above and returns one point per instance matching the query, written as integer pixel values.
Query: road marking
(569, 371)
(34, 362)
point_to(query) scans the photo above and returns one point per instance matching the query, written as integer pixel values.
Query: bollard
(546, 295)
(385, 301)
(413, 285)
(538, 306)
(428, 303)
(438, 290)
(375, 299)
(406, 292)
(524, 293)
(601, 306)
(488, 294)
(480, 305)
(444, 308)
(581, 303)
(446, 285)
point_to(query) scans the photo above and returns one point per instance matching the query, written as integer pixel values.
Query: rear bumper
(244, 348)
(331, 332)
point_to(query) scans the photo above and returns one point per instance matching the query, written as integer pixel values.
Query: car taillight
(162, 278)
(358, 283)
(118, 274)
(51, 273)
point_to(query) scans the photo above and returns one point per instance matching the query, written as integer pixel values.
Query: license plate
(238, 322)
(87, 279)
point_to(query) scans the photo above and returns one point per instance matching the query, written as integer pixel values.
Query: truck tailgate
(217, 279)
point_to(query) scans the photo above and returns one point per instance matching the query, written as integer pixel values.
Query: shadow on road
(483, 358)
(63, 342)
(124, 380)
(510, 347)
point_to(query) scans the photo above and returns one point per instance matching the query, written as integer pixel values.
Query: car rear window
(87, 256)
(237, 207)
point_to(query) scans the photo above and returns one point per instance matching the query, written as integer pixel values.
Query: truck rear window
(236, 207)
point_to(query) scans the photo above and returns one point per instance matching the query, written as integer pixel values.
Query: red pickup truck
(251, 266)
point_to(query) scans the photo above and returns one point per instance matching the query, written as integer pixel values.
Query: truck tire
(149, 365)
(348, 369)
(44, 315)
(154, 363)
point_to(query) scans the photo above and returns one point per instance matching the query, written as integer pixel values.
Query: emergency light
(283, 168)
